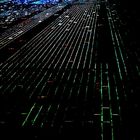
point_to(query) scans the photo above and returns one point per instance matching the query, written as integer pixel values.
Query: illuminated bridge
(75, 77)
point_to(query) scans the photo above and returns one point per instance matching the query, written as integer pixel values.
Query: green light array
(101, 103)
(112, 23)
(125, 69)
(112, 36)
(118, 99)
(119, 47)
(95, 75)
(119, 41)
(110, 108)
(34, 120)
(46, 115)
(29, 114)
(118, 64)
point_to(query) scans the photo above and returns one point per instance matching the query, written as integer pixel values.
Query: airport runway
(74, 77)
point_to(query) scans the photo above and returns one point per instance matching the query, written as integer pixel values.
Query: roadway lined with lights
(66, 82)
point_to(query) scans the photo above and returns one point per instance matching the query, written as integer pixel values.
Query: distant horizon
(32, 1)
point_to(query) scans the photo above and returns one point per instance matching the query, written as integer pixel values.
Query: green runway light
(119, 41)
(123, 61)
(47, 113)
(37, 115)
(95, 75)
(110, 107)
(118, 99)
(114, 44)
(118, 63)
(101, 91)
(29, 114)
